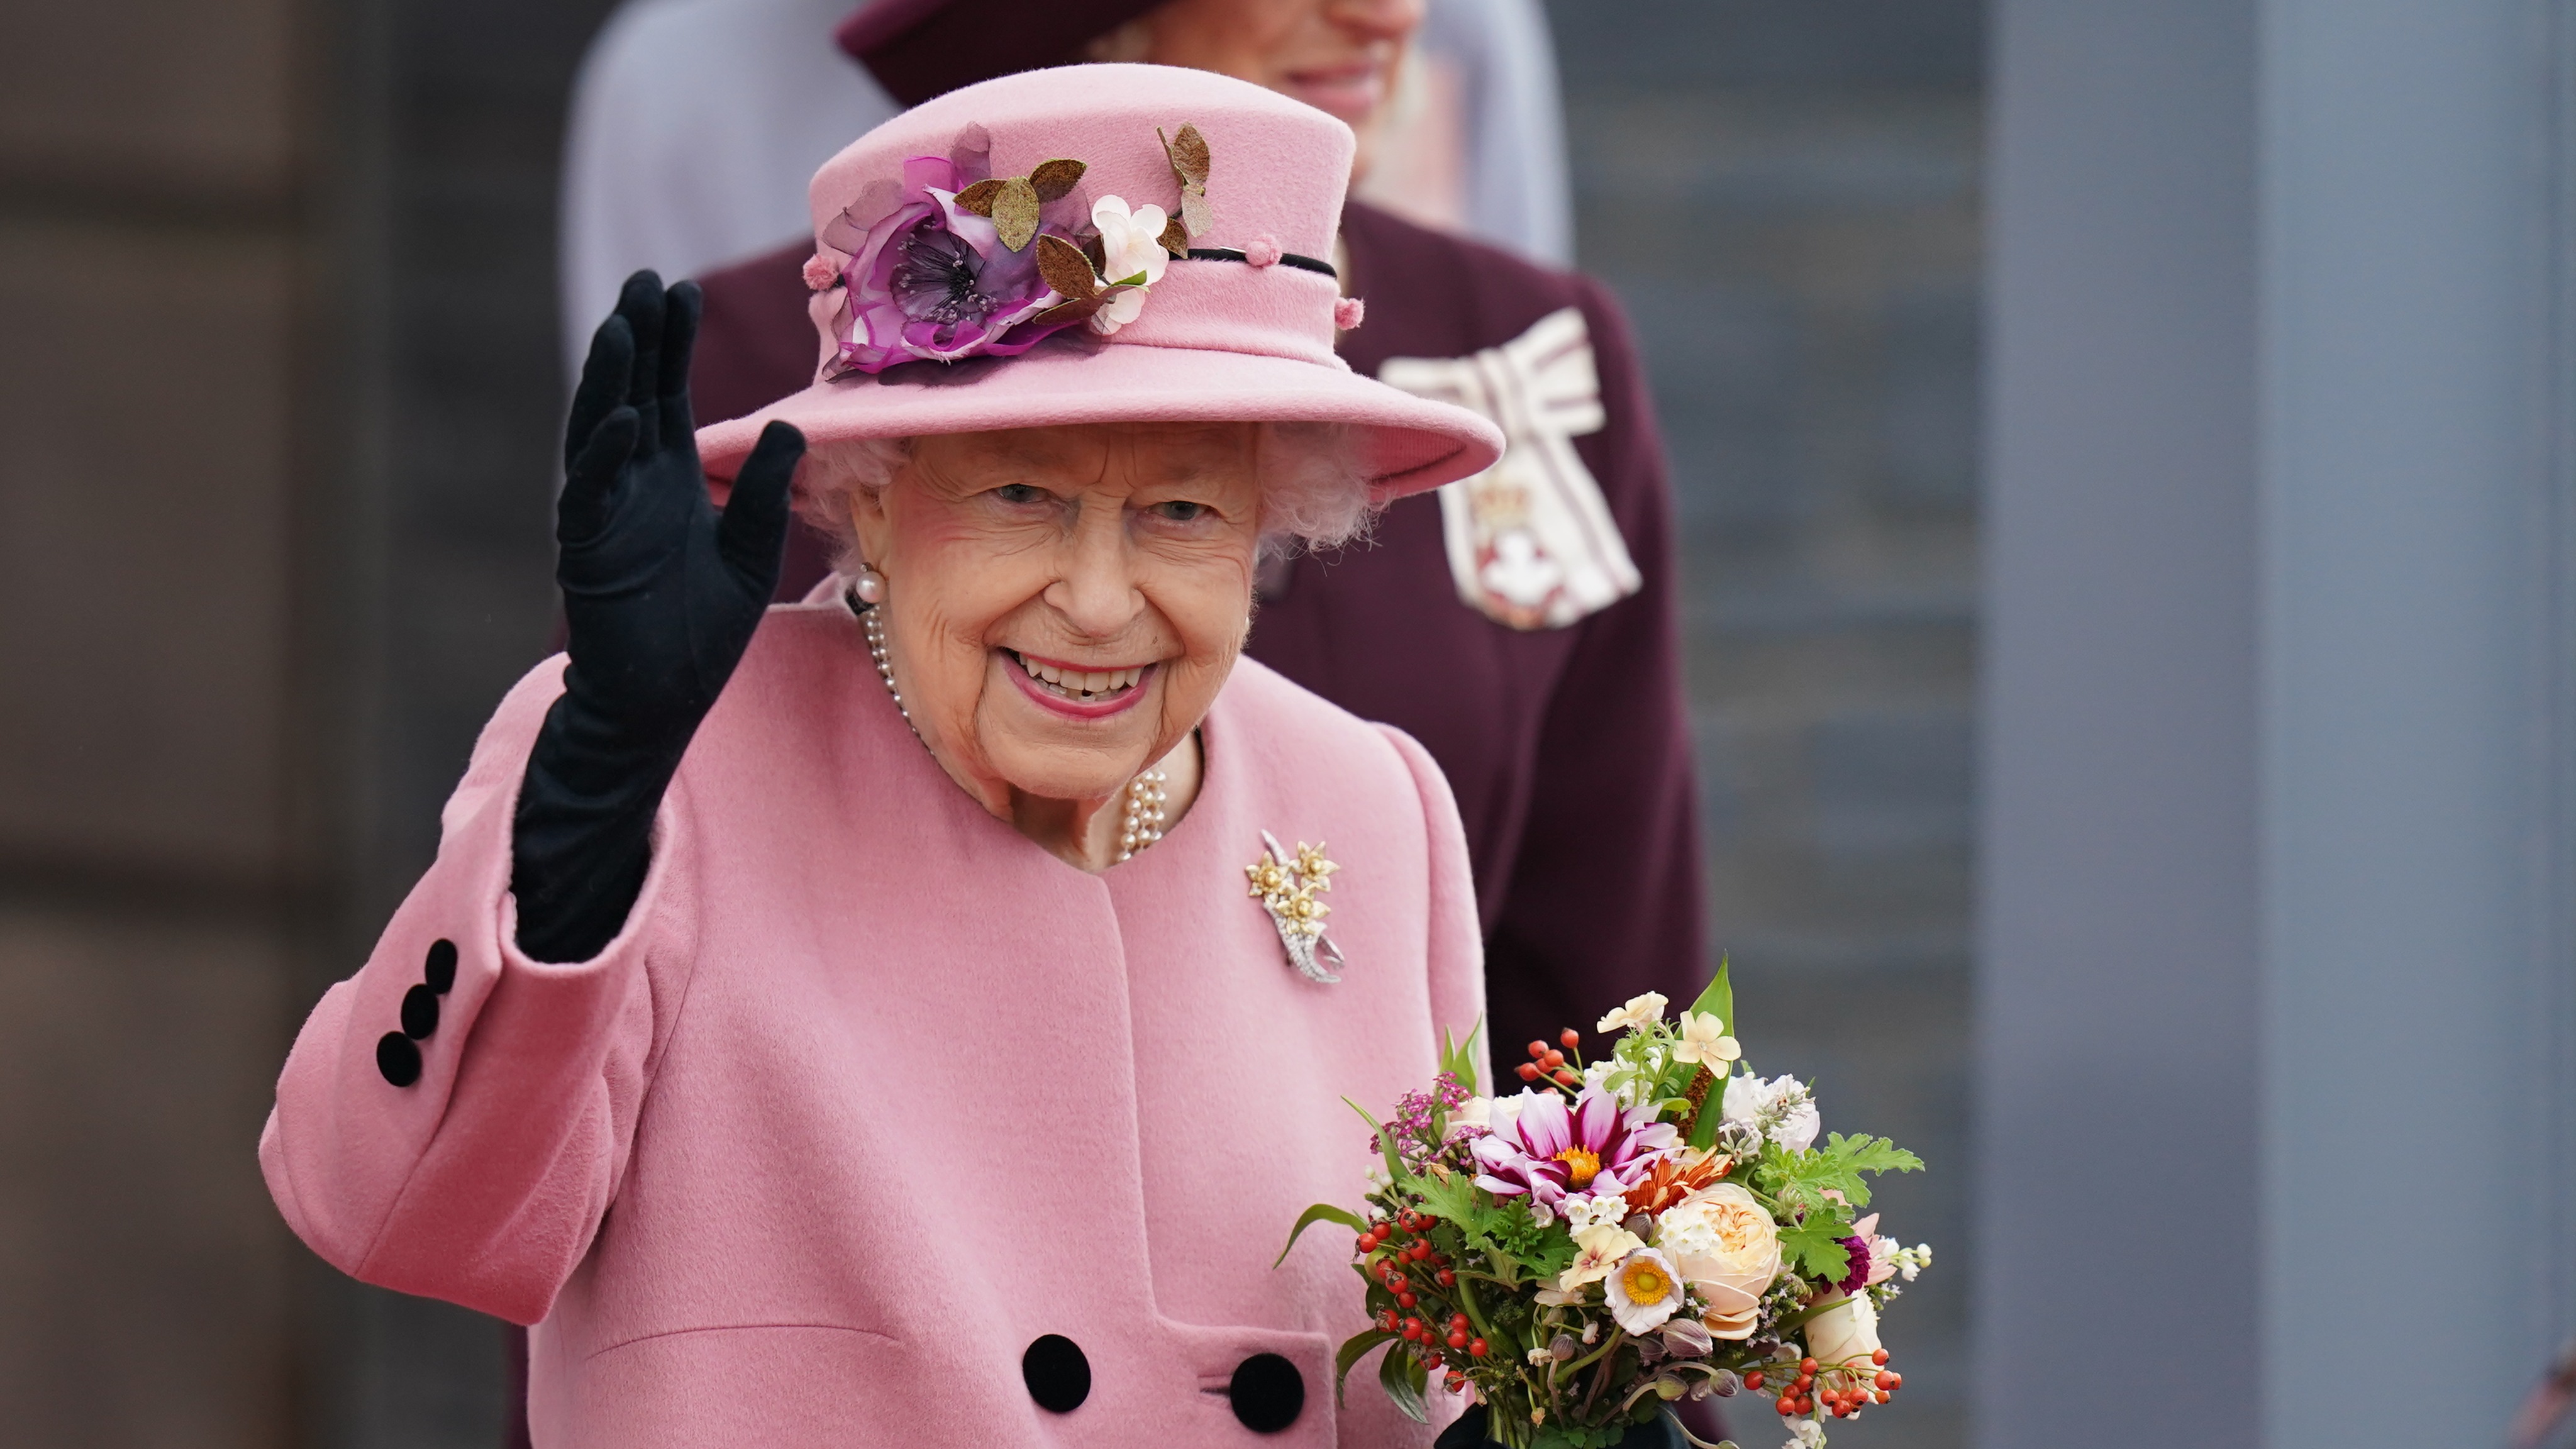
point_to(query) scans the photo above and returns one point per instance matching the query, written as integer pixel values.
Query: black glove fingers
(752, 534)
(591, 481)
(603, 383)
(682, 306)
(642, 307)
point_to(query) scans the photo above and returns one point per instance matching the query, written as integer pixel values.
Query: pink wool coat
(871, 1092)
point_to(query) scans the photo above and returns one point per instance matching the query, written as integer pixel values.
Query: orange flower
(1672, 1179)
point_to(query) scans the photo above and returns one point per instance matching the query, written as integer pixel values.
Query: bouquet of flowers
(1622, 1233)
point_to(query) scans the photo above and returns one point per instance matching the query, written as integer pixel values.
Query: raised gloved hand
(661, 595)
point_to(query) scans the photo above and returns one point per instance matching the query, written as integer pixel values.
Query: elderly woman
(911, 1017)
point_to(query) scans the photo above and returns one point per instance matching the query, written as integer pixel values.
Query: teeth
(1081, 683)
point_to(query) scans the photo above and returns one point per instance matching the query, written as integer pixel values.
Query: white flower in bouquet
(1598, 1251)
(1477, 1112)
(1727, 1246)
(1644, 1291)
(1704, 1040)
(1805, 1434)
(1846, 1333)
(1586, 1211)
(1780, 1108)
(1639, 1012)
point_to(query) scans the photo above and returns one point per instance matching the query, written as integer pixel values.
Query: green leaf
(1403, 1380)
(1322, 1212)
(1871, 1154)
(1814, 1248)
(1458, 1058)
(1353, 1349)
(1718, 997)
(1385, 1142)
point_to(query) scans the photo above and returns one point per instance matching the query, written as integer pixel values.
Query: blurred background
(2157, 814)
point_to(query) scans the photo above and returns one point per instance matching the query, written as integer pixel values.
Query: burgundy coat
(1567, 748)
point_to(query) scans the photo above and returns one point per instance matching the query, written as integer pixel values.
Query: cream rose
(1846, 1333)
(1728, 1248)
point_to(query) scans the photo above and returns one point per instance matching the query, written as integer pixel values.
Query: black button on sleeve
(419, 1012)
(398, 1059)
(440, 969)
(1058, 1375)
(1268, 1393)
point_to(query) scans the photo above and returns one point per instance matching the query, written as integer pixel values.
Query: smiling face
(1339, 56)
(1063, 604)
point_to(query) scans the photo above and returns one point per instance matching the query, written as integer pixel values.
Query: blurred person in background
(695, 125)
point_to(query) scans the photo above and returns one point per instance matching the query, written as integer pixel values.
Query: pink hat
(966, 277)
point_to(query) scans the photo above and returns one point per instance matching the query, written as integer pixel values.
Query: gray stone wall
(1785, 194)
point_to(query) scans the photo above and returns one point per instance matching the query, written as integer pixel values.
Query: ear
(870, 521)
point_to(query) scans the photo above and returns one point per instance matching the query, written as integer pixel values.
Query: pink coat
(872, 1092)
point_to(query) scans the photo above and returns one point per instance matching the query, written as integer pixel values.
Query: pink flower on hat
(1264, 251)
(1349, 312)
(932, 282)
(822, 273)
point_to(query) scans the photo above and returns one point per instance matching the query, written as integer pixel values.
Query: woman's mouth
(1350, 92)
(1072, 689)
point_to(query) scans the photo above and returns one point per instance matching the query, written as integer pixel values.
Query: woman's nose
(1377, 19)
(1095, 590)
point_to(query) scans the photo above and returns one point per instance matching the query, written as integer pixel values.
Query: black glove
(661, 595)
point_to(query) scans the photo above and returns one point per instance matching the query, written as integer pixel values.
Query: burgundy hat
(923, 48)
(1095, 244)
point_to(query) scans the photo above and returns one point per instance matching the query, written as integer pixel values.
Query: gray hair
(1314, 486)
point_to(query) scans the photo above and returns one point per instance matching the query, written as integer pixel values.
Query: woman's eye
(1181, 510)
(1019, 493)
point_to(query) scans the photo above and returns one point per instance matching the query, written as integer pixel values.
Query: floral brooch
(1286, 883)
(959, 263)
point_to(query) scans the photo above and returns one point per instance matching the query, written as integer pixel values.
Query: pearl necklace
(1142, 823)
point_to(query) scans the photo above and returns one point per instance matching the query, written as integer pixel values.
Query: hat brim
(1410, 444)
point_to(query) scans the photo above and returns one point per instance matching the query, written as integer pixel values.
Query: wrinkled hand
(661, 591)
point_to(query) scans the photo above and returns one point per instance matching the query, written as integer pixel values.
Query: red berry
(1568, 1079)
(1477, 1347)
(1458, 1320)
(1529, 1071)
(1787, 1407)
(1457, 1340)
(1431, 1361)
(1879, 1357)
(1753, 1380)
(1538, 1049)
(1880, 1397)
(1884, 1381)
(1807, 1367)
(1570, 1038)
(1552, 1060)
(1448, 1279)
(1895, 1381)
(1404, 1300)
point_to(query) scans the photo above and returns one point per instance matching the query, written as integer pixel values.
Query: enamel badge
(1287, 884)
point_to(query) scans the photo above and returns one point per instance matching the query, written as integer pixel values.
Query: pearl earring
(869, 586)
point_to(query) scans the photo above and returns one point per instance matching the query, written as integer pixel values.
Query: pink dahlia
(1545, 1149)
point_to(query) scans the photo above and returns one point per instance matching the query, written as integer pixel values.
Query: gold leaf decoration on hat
(1015, 213)
(1054, 180)
(1013, 201)
(1069, 271)
(1066, 269)
(1175, 238)
(1188, 153)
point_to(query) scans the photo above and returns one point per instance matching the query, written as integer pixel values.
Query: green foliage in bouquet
(1620, 1234)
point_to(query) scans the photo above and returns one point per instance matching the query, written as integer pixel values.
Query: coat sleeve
(478, 1170)
(1604, 897)
(1457, 946)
